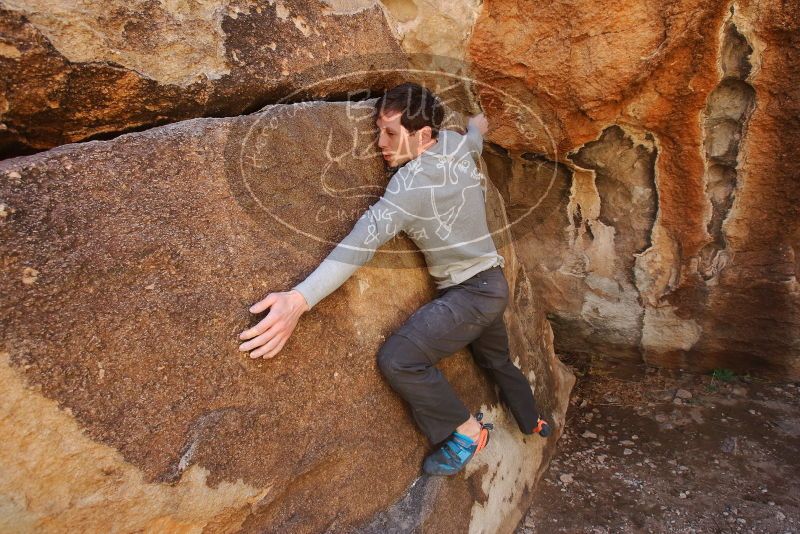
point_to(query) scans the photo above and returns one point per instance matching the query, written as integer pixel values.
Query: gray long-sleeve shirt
(438, 200)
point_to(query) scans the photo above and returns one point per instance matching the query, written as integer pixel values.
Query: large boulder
(644, 148)
(128, 269)
(649, 162)
(70, 73)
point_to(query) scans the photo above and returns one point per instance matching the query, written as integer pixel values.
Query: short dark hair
(418, 105)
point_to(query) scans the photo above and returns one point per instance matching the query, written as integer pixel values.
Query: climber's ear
(425, 134)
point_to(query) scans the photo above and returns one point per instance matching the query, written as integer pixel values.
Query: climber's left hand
(268, 337)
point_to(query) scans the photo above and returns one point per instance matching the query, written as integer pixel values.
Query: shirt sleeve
(391, 214)
(474, 140)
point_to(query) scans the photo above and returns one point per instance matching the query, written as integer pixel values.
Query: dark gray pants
(469, 313)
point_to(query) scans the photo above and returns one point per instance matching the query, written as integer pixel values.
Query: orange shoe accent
(539, 424)
(483, 439)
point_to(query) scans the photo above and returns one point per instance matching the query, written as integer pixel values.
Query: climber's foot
(542, 428)
(456, 451)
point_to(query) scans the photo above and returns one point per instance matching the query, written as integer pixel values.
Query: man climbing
(437, 198)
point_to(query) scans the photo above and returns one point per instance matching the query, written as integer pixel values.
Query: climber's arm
(384, 219)
(477, 127)
(391, 214)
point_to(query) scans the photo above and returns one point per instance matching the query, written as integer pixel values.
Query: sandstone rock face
(72, 72)
(646, 151)
(659, 149)
(128, 269)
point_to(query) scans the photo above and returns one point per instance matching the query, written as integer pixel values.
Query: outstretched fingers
(262, 326)
(267, 338)
(264, 303)
(261, 339)
(271, 348)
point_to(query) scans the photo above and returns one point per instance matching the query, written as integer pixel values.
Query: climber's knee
(385, 357)
(398, 355)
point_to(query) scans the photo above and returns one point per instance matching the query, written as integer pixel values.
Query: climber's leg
(491, 352)
(434, 405)
(441, 327)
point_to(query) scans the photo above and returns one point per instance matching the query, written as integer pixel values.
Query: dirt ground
(649, 450)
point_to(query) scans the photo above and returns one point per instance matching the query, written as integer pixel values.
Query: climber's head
(408, 118)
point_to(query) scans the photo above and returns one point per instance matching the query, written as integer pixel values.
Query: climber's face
(397, 144)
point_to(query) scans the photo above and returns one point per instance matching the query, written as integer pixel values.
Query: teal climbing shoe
(456, 451)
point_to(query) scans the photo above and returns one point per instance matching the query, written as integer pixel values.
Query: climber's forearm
(324, 280)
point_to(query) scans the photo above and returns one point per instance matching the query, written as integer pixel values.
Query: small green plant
(725, 375)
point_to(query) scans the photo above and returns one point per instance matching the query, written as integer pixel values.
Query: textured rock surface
(128, 269)
(699, 97)
(73, 72)
(657, 142)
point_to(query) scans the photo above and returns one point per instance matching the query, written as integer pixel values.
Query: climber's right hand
(268, 337)
(479, 122)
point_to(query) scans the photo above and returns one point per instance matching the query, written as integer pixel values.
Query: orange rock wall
(708, 90)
